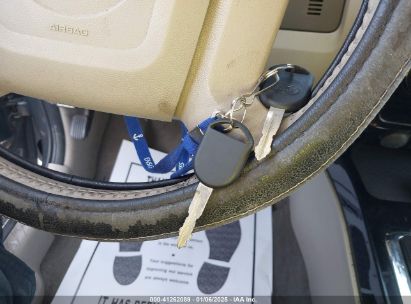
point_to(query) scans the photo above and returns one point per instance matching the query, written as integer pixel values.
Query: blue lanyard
(181, 158)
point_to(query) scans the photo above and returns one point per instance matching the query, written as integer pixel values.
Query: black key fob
(220, 158)
(292, 91)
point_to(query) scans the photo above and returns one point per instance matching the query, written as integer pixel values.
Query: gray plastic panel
(321, 16)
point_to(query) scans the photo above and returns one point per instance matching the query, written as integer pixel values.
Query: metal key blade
(271, 125)
(200, 199)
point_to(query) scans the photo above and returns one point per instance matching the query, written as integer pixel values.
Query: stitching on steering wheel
(43, 181)
(118, 195)
(330, 159)
(338, 68)
(350, 138)
(344, 58)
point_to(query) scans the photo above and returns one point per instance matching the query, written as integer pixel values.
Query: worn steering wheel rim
(372, 63)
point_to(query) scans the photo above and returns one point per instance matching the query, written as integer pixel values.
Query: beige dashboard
(152, 58)
(110, 55)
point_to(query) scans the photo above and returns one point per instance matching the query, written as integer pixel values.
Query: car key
(218, 162)
(282, 96)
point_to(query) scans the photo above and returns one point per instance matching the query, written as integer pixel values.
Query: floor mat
(235, 259)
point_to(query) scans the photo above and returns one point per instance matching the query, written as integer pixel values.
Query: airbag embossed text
(67, 29)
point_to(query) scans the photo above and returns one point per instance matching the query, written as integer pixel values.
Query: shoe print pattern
(223, 243)
(126, 269)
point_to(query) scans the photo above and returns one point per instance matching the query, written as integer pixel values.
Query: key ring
(263, 78)
(236, 105)
(242, 102)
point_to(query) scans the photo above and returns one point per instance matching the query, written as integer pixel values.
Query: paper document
(232, 260)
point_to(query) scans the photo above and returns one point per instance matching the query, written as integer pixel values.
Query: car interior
(325, 216)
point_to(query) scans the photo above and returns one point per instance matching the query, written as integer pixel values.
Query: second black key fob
(292, 91)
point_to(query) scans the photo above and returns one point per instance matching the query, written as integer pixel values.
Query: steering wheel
(372, 62)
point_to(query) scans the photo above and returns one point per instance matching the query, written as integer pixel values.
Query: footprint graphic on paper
(126, 269)
(223, 243)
